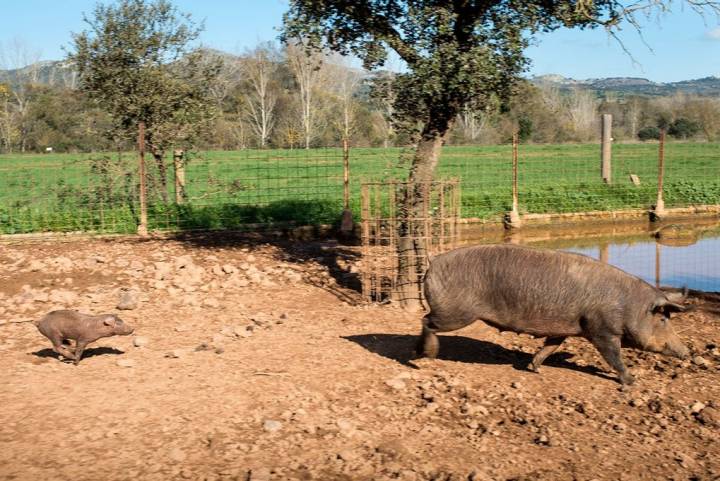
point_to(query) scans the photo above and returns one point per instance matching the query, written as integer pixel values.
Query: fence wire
(229, 190)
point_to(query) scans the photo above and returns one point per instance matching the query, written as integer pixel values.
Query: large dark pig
(59, 326)
(547, 294)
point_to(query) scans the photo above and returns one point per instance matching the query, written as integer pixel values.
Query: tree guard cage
(384, 224)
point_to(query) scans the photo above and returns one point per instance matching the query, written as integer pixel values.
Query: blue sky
(684, 46)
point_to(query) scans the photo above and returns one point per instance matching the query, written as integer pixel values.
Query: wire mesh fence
(390, 234)
(229, 190)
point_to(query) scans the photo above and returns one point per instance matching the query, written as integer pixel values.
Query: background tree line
(274, 96)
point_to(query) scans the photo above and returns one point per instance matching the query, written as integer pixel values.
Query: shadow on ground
(90, 352)
(300, 251)
(400, 348)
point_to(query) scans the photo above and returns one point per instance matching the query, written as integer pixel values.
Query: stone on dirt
(126, 363)
(128, 300)
(140, 341)
(272, 426)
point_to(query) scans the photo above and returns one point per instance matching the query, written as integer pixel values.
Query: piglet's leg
(609, 347)
(551, 345)
(61, 349)
(79, 348)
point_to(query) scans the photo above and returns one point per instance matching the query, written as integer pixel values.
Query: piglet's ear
(109, 320)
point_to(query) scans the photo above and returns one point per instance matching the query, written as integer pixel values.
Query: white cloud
(713, 34)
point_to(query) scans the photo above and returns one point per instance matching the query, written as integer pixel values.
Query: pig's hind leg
(609, 347)
(61, 348)
(551, 345)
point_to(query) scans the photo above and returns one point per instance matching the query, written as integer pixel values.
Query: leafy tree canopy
(455, 51)
(136, 61)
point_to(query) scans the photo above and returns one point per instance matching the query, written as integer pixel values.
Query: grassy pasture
(98, 192)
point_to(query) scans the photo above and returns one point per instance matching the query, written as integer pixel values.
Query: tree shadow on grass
(400, 348)
(90, 352)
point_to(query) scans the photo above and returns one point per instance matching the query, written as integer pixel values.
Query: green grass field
(98, 192)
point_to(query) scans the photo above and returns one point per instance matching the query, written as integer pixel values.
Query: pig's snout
(677, 349)
(125, 330)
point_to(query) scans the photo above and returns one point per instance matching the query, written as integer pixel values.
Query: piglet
(59, 326)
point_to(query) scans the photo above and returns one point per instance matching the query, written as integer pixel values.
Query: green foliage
(226, 190)
(649, 133)
(136, 62)
(525, 128)
(683, 128)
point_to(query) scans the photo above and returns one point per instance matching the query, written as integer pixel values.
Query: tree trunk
(412, 247)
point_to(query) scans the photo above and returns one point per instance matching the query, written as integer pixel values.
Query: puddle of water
(696, 266)
(633, 249)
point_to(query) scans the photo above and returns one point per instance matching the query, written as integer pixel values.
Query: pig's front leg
(79, 348)
(609, 347)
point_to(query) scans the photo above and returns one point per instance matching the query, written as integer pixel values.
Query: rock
(140, 341)
(636, 402)
(347, 455)
(543, 440)
(183, 262)
(697, 407)
(396, 384)
(709, 417)
(126, 363)
(136, 265)
(128, 300)
(243, 332)
(36, 265)
(63, 297)
(272, 426)
(162, 270)
(700, 361)
(229, 269)
(176, 353)
(177, 455)
(345, 426)
(211, 302)
(259, 474)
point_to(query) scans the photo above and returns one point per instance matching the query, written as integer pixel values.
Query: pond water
(689, 258)
(695, 266)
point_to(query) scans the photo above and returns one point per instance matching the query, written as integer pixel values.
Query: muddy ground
(258, 362)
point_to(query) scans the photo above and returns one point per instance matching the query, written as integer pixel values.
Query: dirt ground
(257, 361)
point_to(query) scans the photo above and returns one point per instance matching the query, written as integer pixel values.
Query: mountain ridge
(56, 72)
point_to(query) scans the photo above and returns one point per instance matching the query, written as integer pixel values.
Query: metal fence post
(142, 226)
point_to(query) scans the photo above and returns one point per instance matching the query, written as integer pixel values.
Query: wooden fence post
(346, 224)
(179, 164)
(142, 226)
(513, 218)
(659, 210)
(606, 155)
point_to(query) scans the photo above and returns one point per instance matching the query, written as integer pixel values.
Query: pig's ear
(109, 320)
(664, 306)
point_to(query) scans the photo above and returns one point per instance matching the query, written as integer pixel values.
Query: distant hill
(633, 85)
(62, 73)
(52, 72)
